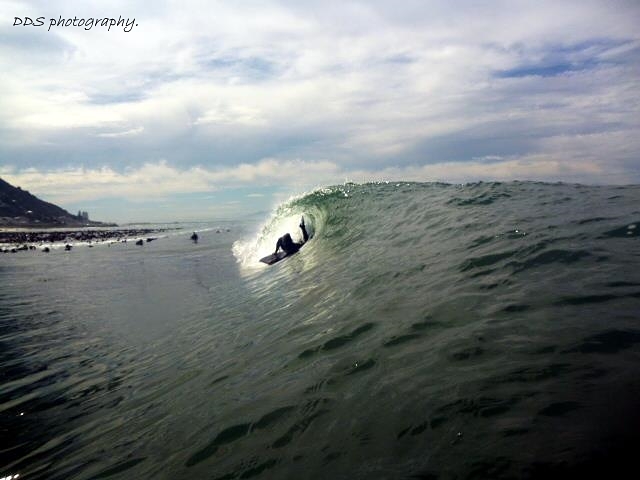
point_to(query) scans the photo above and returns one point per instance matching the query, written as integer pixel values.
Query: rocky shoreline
(13, 241)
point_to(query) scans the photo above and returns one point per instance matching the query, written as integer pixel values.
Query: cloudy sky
(213, 109)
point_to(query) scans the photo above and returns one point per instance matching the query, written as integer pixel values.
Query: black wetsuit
(287, 244)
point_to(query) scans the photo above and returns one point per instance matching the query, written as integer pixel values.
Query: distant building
(84, 216)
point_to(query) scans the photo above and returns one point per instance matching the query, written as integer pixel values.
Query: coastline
(23, 222)
(33, 238)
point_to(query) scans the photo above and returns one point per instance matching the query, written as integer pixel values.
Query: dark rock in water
(68, 247)
(63, 236)
(32, 247)
(46, 250)
(151, 239)
(139, 242)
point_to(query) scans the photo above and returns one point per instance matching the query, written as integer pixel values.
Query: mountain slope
(19, 208)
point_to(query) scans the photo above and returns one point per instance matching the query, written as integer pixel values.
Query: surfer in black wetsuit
(288, 245)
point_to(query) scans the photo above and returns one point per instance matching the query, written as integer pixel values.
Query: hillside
(19, 208)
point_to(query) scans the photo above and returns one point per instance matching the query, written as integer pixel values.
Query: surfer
(194, 237)
(288, 245)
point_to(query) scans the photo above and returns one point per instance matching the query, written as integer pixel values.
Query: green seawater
(487, 330)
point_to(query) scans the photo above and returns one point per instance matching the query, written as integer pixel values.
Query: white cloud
(160, 180)
(380, 88)
(125, 133)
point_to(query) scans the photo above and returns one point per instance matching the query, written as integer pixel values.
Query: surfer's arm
(278, 245)
(305, 235)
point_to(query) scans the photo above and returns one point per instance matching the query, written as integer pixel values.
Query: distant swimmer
(288, 245)
(194, 237)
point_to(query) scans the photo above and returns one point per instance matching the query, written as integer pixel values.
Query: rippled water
(425, 331)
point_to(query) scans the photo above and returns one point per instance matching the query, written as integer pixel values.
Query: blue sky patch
(561, 59)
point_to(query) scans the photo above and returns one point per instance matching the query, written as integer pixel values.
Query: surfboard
(275, 257)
